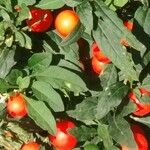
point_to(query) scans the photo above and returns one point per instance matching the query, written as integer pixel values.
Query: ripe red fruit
(129, 24)
(40, 21)
(144, 91)
(133, 97)
(63, 140)
(97, 66)
(31, 146)
(66, 21)
(142, 108)
(16, 106)
(97, 52)
(140, 138)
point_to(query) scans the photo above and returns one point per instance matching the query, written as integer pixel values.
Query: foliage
(48, 70)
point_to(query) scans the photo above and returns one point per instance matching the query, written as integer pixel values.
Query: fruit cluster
(42, 19)
(17, 108)
(66, 84)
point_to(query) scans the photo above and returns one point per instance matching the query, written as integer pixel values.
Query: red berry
(97, 66)
(63, 140)
(140, 138)
(66, 21)
(41, 20)
(16, 106)
(133, 97)
(142, 110)
(129, 24)
(31, 146)
(97, 52)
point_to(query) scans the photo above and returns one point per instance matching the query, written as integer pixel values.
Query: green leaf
(143, 120)
(142, 15)
(145, 2)
(9, 41)
(104, 34)
(89, 106)
(40, 61)
(85, 13)
(110, 20)
(42, 116)
(19, 37)
(23, 14)
(71, 53)
(109, 76)
(146, 83)
(120, 3)
(16, 129)
(114, 51)
(27, 2)
(91, 147)
(13, 75)
(120, 131)
(103, 133)
(2, 107)
(69, 79)
(2, 33)
(4, 86)
(72, 3)
(5, 15)
(110, 98)
(7, 4)
(44, 92)
(68, 64)
(23, 39)
(23, 83)
(83, 133)
(50, 4)
(127, 109)
(73, 36)
(6, 61)
(28, 43)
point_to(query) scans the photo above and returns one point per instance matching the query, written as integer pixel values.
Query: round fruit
(99, 54)
(31, 146)
(16, 106)
(140, 138)
(129, 24)
(40, 21)
(66, 21)
(97, 66)
(142, 109)
(133, 97)
(63, 140)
